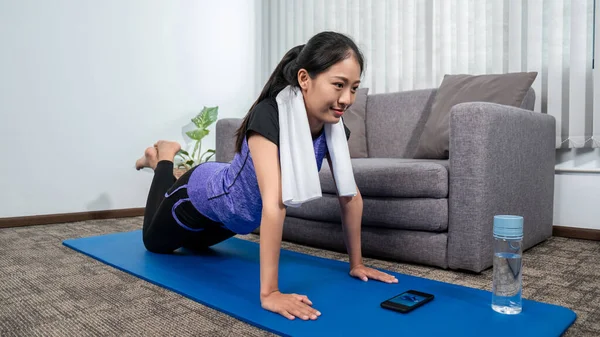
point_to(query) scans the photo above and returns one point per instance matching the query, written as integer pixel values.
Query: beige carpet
(47, 289)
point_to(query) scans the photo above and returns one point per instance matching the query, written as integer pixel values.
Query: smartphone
(407, 301)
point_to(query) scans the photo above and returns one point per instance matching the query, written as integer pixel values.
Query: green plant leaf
(182, 156)
(211, 152)
(198, 120)
(206, 117)
(184, 152)
(197, 134)
(210, 116)
(208, 158)
(190, 162)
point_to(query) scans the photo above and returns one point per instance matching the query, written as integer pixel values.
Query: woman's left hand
(365, 273)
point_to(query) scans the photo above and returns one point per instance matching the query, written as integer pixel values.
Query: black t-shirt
(264, 119)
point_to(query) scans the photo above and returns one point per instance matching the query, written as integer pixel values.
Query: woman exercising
(215, 201)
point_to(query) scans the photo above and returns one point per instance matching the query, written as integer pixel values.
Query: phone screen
(407, 299)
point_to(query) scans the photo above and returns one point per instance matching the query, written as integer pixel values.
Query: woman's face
(329, 94)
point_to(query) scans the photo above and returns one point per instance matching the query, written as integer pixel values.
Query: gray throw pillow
(354, 119)
(507, 89)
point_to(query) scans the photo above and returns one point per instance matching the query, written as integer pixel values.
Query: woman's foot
(167, 150)
(150, 159)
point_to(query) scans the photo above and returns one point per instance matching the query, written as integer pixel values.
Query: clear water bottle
(507, 283)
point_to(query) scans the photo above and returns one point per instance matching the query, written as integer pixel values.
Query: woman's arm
(265, 156)
(352, 209)
(266, 163)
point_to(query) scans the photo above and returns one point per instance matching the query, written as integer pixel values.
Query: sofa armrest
(225, 138)
(501, 162)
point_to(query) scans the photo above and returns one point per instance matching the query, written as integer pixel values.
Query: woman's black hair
(316, 56)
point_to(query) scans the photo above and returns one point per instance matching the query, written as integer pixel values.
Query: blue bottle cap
(508, 226)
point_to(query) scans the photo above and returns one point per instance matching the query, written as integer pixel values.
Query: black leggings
(162, 233)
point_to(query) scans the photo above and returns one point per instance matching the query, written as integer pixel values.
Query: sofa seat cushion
(401, 245)
(422, 214)
(392, 177)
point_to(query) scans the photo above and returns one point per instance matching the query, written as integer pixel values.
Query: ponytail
(286, 73)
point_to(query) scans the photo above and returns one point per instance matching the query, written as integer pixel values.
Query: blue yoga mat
(226, 278)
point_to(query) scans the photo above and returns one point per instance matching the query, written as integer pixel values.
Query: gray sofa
(435, 212)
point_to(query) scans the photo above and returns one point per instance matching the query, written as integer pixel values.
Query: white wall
(85, 86)
(577, 194)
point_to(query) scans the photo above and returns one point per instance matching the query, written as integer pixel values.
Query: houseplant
(202, 121)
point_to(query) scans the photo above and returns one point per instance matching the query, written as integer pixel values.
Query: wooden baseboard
(576, 233)
(69, 217)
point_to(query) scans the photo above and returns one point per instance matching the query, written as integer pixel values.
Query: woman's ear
(303, 79)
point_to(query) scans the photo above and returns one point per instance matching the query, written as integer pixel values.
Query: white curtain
(411, 44)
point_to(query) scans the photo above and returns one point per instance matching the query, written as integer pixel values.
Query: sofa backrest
(395, 121)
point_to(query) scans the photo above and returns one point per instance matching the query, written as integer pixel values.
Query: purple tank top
(228, 192)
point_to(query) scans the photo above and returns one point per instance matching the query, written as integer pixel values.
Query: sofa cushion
(354, 119)
(404, 245)
(395, 120)
(421, 214)
(507, 89)
(393, 177)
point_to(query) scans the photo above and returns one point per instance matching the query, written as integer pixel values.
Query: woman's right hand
(290, 305)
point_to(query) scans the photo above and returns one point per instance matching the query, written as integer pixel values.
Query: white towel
(299, 176)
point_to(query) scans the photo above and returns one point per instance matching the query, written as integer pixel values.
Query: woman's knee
(156, 245)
